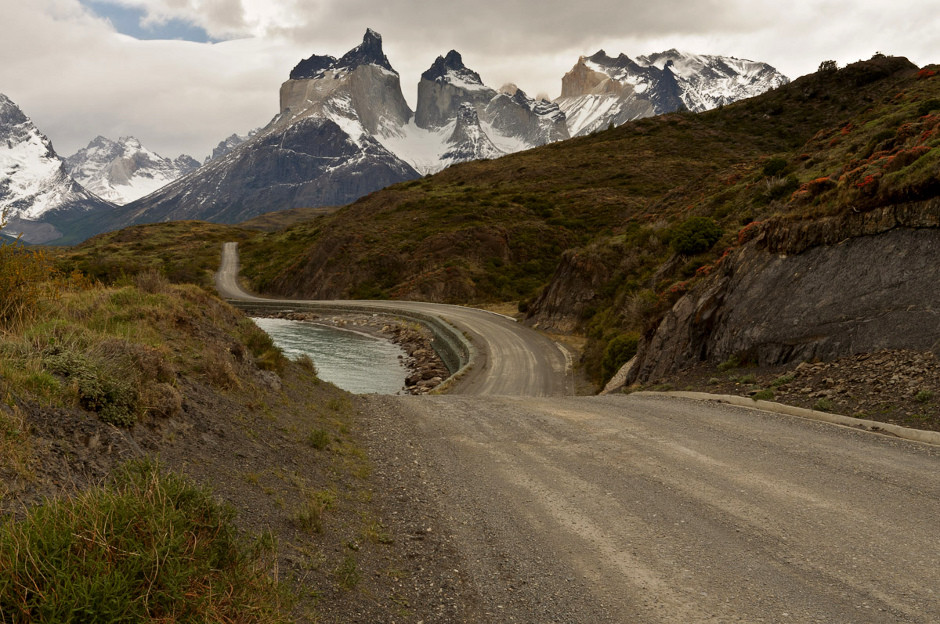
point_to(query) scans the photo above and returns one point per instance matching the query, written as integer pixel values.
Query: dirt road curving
(652, 508)
(511, 359)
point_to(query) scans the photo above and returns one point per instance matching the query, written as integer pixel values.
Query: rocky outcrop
(574, 288)
(468, 141)
(444, 87)
(477, 121)
(536, 122)
(817, 290)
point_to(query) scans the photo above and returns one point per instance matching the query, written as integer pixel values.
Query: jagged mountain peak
(450, 68)
(369, 52)
(10, 114)
(36, 194)
(601, 91)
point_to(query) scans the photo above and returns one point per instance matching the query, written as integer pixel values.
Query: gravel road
(651, 509)
(657, 509)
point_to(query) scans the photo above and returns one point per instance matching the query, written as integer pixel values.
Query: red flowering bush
(748, 232)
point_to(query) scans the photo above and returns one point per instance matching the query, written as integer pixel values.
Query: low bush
(774, 167)
(148, 547)
(695, 235)
(112, 395)
(618, 352)
(26, 278)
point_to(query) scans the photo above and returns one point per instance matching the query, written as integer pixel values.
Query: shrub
(695, 235)
(148, 547)
(927, 106)
(774, 167)
(306, 362)
(110, 394)
(318, 439)
(26, 277)
(618, 352)
(764, 395)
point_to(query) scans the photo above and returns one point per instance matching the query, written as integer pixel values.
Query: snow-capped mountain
(37, 196)
(445, 131)
(123, 170)
(324, 148)
(600, 90)
(344, 128)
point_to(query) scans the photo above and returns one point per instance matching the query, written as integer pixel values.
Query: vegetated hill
(594, 234)
(184, 252)
(121, 405)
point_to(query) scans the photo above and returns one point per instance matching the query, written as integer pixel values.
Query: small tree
(828, 66)
(694, 236)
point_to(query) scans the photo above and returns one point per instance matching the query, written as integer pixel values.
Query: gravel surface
(656, 509)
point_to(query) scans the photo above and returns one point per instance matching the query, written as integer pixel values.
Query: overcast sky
(181, 75)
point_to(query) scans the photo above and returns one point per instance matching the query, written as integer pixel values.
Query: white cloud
(77, 78)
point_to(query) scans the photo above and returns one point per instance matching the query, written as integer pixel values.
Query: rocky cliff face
(359, 88)
(444, 87)
(601, 91)
(508, 120)
(123, 170)
(468, 141)
(581, 273)
(39, 199)
(796, 292)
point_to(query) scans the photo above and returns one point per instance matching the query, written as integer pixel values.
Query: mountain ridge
(123, 170)
(39, 200)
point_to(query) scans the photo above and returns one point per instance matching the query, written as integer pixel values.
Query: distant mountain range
(345, 130)
(38, 198)
(123, 170)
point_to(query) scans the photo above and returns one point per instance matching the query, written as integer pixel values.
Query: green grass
(148, 547)
(119, 352)
(180, 251)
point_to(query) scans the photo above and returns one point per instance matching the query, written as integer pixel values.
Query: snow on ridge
(124, 170)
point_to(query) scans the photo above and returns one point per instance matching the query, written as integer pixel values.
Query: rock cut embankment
(856, 283)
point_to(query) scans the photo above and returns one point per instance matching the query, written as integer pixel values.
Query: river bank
(426, 369)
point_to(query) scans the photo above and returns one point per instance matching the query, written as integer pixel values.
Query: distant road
(654, 509)
(512, 359)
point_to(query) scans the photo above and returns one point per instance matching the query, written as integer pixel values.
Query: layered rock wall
(816, 290)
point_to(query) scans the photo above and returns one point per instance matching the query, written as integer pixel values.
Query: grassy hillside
(619, 205)
(184, 252)
(120, 405)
